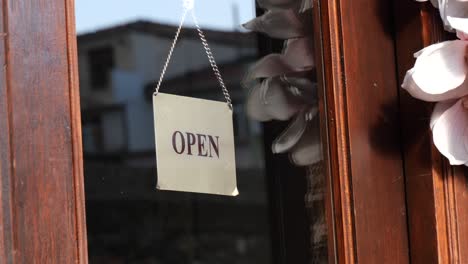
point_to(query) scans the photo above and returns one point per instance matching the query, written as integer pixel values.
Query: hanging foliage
(282, 86)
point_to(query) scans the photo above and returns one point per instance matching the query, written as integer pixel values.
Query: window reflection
(128, 220)
(279, 215)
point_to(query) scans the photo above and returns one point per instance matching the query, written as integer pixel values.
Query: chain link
(171, 51)
(208, 51)
(212, 61)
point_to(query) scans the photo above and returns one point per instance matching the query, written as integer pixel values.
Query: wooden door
(390, 198)
(362, 128)
(42, 205)
(436, 192)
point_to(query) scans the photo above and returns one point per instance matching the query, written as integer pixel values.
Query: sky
(92, 15)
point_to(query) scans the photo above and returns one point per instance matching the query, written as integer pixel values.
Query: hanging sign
(194, 145)
(194, 137)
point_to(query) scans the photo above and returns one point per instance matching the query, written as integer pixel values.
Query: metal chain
(171, 51)
(212, 61)
(208, 51)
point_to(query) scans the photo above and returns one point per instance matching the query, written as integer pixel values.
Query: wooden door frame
(42, 206)
(45, 30)
(431, 194)
(361, 130)
(437, 204)
(41, 171)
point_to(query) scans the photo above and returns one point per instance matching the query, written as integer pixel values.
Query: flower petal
(277, 103)
(414, 90)
(254, 106)
(435, 3)
(269, 66)
(301, 88)
(439, 109)
(269, 101)
(460, 25)
(300, 54)
(450, 133)
(441, 69)
(307, 5)
(308, 150)
(289, 138)
(282, 24)
(452, 8)
(297, 57)
(429, 49)
(439, 73)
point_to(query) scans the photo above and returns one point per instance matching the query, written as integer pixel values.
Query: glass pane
(278, 216)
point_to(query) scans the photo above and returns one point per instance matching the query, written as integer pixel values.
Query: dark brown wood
(339, 208)
(361, 113)
(324, 51)
(41, 170)
(436, 192)
(75, 115)
(416, 141)
(41, 178)
(460, 214)
(6, 234)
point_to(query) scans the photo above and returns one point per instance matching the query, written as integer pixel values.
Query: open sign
(194, 145)
(189, 143)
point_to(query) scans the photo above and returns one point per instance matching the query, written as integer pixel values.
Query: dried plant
(282, 85)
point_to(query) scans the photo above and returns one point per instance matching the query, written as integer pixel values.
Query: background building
(119, 67)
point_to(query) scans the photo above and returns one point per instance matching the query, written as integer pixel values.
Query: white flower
(283, 84)
(298, 56)
(308, 149)
(439, 73)
(435, 3)
(301, 139)
(449, 124)
(448, 9)
(460, 25)
(452, 9)
(454, 14)
(269, 101)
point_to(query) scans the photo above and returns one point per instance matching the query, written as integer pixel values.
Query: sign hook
(189, 4)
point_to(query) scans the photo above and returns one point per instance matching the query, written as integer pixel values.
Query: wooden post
(42, 197)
